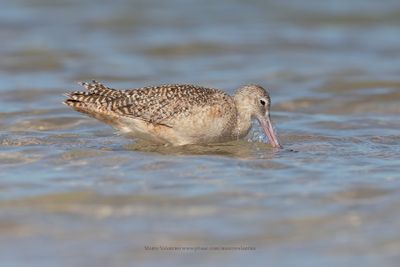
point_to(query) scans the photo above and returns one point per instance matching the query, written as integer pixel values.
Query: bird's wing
(157, 105)
(161, 104)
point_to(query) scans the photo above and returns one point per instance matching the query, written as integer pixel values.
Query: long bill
(266, 124)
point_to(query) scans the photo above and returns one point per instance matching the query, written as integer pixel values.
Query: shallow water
(75, 193)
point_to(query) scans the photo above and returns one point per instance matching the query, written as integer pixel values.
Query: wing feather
(156, 105)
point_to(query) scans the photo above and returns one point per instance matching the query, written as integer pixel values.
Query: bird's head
(256, 101)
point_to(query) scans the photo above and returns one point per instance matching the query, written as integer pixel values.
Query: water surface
(75, 193)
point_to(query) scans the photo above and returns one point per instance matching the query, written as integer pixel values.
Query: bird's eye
(262, 102)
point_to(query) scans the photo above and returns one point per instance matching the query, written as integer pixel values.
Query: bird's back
(156, 104)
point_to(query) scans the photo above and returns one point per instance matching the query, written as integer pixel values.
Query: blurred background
(75, 193)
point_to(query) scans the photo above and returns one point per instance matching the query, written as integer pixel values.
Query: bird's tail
(96, 98)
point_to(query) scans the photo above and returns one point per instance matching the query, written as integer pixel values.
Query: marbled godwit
(177, 114)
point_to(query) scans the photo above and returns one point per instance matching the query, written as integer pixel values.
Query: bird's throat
(243, 125)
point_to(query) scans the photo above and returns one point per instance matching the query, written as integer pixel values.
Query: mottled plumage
(175, 113)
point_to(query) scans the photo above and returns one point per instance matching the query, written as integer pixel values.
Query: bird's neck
(244, 120)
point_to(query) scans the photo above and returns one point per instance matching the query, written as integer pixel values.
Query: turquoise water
(75, 193)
